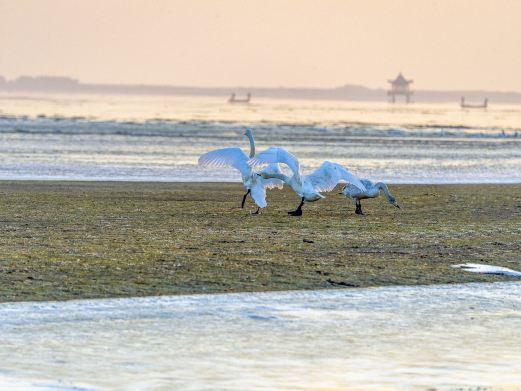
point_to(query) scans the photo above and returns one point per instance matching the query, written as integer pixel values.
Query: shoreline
(211, 181)
(256, 294)
(65, 240)
(203, 181)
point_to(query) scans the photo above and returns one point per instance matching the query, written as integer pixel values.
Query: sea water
(444, 337)
(159, 138)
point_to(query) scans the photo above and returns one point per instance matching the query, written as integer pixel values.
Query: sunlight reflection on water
(160, 138)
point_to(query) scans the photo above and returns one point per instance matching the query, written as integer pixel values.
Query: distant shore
(72, 240)
(353, 92)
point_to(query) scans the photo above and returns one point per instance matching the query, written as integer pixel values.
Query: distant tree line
(348, 92)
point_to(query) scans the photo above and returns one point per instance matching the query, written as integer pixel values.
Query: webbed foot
(297, 212)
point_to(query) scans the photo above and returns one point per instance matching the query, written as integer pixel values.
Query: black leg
(298, 211)
(257, 211)
(244, 198)
(358, 210)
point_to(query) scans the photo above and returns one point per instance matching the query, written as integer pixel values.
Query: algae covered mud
(423, 338)
(66, 240)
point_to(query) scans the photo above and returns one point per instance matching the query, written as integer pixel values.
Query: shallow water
(444, 337)
(77, 137)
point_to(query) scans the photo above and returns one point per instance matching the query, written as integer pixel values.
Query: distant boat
(473, 106)
(233, 99)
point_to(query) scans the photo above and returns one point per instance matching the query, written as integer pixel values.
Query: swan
(235, 157)
(373, 191)
(307, 187)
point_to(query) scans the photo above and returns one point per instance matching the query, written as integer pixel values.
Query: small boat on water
(473, 106)
(234, 99)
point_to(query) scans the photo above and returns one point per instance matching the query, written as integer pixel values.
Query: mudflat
(72, 240)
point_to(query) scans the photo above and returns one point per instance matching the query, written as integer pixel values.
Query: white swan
(234, 157)
(373, 191)
(307, 187)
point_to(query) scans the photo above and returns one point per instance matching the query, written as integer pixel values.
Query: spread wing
(271, 183)
(347, 176)
(258, 193)
(276, 155)
(327, 176)
(367, 183)
(258, 189)
(226, 157)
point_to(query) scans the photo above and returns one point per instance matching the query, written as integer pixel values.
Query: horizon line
(78, 82)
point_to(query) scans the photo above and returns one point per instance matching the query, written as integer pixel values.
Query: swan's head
(248, 132)
(393, 202)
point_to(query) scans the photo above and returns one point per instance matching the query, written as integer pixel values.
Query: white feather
(271, 183)
(308, 187)
(349, 177)
(328, 175)
(372, 190)
(226, 157)
(236, 158)
(276, 155)
(258, 192)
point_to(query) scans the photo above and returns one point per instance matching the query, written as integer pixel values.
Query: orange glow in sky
(445, 44)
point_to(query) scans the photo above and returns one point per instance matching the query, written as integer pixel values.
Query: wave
(158, 149)
(156, 127)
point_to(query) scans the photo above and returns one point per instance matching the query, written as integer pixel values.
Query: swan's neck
(297, 176)
(276, 175)
(252, 145)
(383, 186)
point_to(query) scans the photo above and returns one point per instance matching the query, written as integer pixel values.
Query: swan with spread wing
(235, 157)
(307, 187)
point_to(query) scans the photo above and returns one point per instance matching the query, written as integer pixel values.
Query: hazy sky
(450, 44)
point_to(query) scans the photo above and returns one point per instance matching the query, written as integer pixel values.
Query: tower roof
(400, 80)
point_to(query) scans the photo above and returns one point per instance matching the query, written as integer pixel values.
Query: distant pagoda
(400, 86)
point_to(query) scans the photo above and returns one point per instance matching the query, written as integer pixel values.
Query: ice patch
(488, 269)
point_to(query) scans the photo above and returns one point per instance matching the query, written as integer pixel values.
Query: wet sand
(71, 240)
